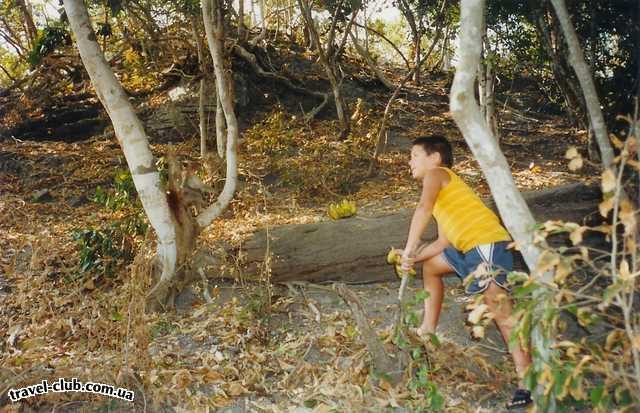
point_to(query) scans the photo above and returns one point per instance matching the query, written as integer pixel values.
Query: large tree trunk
(513, 209)
(576, 59)
(352, 250)
(131, 136)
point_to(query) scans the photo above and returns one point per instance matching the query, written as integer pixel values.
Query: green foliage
(162, 328)
(102, 250)
(49, 39)
(429, 398)
(122, 194)
(593, 291)
(433, 400)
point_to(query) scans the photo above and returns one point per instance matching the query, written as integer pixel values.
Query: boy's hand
(408, 259)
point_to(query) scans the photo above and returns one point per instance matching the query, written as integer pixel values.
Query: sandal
(521, 398)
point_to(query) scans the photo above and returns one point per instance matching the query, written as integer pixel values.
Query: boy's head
(428, 152)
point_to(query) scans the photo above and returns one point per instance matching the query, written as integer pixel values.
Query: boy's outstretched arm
(431, 185)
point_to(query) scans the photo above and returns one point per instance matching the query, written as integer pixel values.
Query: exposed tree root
(381, 361)
(253, 61)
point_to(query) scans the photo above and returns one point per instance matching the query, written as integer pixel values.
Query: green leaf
(595, 395)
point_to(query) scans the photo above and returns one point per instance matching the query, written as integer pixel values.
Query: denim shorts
(480, 265)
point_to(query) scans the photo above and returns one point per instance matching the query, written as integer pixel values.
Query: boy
(469, 236)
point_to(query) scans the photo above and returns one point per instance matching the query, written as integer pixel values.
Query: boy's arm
(430, 187)
(433, 249)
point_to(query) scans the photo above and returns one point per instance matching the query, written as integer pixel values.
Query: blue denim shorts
(480, 265)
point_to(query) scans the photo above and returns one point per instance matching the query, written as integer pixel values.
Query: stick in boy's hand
(394, 257)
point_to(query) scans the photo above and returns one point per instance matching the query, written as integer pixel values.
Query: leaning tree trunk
(362, 51)
(576, 59)
(565, 81)
(466, 113)
(131, 136)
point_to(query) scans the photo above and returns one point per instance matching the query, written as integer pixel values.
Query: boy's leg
(500, 306)
(432, 271)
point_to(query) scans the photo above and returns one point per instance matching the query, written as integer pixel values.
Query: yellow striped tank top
(465, 220)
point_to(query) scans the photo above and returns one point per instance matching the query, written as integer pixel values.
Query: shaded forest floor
(256, 347)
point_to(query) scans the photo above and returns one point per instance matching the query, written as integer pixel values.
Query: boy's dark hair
(436, 143)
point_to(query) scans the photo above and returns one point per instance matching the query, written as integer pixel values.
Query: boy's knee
(428, 268)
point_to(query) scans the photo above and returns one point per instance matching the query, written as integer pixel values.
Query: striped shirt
(464, 219)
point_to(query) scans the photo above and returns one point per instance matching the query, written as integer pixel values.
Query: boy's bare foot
(421, 333)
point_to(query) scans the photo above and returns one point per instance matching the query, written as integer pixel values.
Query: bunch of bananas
(344, 209)
(394, 257)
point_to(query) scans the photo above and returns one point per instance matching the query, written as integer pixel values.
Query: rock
(41, 195)
(186, 299)
(76, 201)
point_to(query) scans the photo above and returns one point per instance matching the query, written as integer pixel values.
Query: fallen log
(353, 250)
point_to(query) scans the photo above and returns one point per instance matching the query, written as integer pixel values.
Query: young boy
(469, 235)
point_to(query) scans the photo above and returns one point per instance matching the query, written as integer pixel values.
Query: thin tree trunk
(490, 99)
(221, 132)
(327, 60)
(446, 55)
(204, 127)
(241, 21)
(372, 65)
(213, 15)
(386, 39)
(416, 57)
(131, 136)
(263, 20)
(203, 93)
(32, 32)
(576, 59)
(564, 79)
(466, 113)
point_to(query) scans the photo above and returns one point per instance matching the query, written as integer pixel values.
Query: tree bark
(202, 117)
(131, 136)
(241, 21)
(221, 140)
(576, 59)
(203, 92)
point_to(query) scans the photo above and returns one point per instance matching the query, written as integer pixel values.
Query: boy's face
(421, 162)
